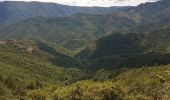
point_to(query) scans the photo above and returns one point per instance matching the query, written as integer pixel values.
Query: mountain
(27, 66)
(81, 28)
(151, 12)
(27, 73)
(12, 11)
(115, 56)
(151, 15)
(128, 50)
(55, 56)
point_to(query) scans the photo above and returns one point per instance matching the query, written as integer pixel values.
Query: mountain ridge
(13, 11)
(123, 50)
(110, 56)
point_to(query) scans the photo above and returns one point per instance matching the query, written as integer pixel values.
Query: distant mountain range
(147, 43)
(81, 28)
(127, 31)
(12, 11)
(78, 27)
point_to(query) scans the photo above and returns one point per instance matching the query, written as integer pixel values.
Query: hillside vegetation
(83, 28)
(13, 11)
(23, 70)
(31, 75)
(79, 29)
(128, 50)
(123, 55)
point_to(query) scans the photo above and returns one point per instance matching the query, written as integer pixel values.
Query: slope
(30, 75)
(144, 83)
(151, 15)
(12, 11)
(78, 27)
(128, 50)
(25, 67)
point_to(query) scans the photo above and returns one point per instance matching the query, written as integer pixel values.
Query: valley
(84, 53)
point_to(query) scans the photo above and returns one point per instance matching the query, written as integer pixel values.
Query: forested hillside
(61, 52)
(128, 50)
(12, 11)
(31, 75)
(80, 28)
(25, 67)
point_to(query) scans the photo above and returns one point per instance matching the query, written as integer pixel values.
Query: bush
(39, 96)
(34, 85)
(1, 91)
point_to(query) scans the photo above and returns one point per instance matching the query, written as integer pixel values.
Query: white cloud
(104, 3)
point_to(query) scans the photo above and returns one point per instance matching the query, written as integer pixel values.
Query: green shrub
(1, 91)
(39, 96)
(34, 85)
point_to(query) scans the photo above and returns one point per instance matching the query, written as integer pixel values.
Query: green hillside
(31, 75)
(23, 69)
(81, 28)
(133, 43)
(151, 15)
(128, 50)
(119, 56)
(145, 17)
(145, 83)
(13, 11)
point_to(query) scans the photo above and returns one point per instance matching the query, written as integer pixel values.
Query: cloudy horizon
(90, 3)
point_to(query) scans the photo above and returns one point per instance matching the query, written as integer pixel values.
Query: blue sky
(103, 3)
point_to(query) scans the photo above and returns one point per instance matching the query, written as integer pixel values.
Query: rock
(30, 49)
(10, 41)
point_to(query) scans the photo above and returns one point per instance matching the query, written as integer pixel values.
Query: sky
(102, 3)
